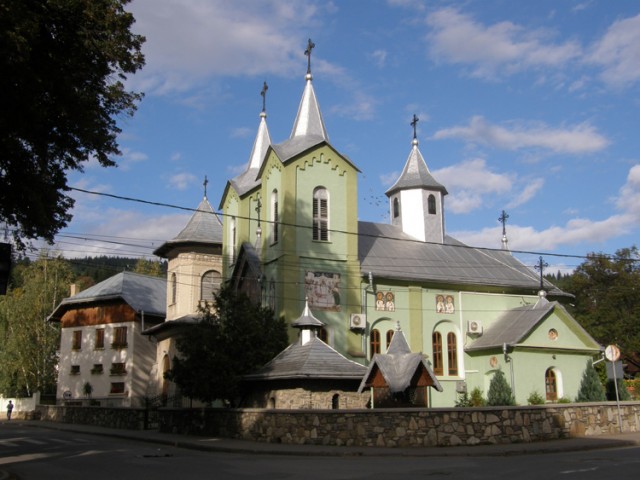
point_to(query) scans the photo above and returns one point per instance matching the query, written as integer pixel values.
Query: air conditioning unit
(474, 327)
(358, 321)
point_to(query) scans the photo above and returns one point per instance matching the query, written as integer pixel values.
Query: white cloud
(528, 192)
(379, 57)
(129, 158)
(578, 139)
(182, 181)
(618, 52)
(502, 48)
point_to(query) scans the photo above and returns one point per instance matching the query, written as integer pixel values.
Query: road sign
(612, 353)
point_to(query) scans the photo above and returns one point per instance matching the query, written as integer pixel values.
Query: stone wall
(121, 418)
(405, 427)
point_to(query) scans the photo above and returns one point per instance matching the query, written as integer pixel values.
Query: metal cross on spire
(541, 266)
(307, 52)
(204, 184)
(263, 93)
(503, 219)
(414, 124)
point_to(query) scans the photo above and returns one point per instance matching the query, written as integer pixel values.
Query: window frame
(215, 286)
(431, 204)
(438, 360)
(320, 214)
(118, 340)
(76, 340)
(374, 342)
(98, 343)
(452, 354)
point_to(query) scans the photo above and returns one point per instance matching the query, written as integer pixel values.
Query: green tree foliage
(623, 393)
(215, 353)
(63, 64)
(591, 389)
(607, 300)
(28, 343)
(149, 267)
(499, 391)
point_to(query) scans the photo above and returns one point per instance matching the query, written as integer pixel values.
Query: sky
(527, 107)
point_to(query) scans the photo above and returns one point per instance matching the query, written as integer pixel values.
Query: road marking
(581, 470)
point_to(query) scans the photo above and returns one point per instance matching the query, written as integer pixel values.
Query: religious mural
(385, 302)
(445, 304)
(322, 290)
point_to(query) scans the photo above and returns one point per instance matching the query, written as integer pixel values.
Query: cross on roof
(205, 183)
(307, 52)
(263, 93)
(503, 219)
(414, 124)
(541, 266)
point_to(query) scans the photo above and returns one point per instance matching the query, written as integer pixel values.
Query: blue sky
(530, 107)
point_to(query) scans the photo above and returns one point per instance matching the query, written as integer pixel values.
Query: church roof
(141, 292)
(398, 366)
(307, 319)
(387, 252)
(515, 324)
(204, 227)
(309, 120)
(313, 360)
(416, 174)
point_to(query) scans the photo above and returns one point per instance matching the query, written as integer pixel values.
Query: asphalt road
(28, 452)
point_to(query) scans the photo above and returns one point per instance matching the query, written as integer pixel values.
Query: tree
(499, 391)
(591, 389)
(63, 64)
(28, 343)
(215, 353)
(149, 267)
(607, 291)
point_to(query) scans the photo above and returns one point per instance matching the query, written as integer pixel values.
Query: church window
(432, 204)
(274, 216)
(452, 353)
(551, 385)
(321, 214)
(389, 337)
(323, 335)
(374, 342)
(396, 207)
(210, 283)
(437, 353)
(174, 288)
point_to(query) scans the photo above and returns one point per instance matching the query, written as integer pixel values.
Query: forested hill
(101, 268)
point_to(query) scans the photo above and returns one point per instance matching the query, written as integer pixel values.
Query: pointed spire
(503, 219)
(263, 140)
(307, 323)
(204, 184)
(309, 120)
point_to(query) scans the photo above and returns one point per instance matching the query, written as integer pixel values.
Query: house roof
(313, 360)
(141, 292)
(204, 228)
(386, 251)
(172, 328)
(515, 324)
(398, 365)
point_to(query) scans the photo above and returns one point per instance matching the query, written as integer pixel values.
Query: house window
(551, 385)
(117, 388)
(321, 214)
(118, 369)
(76, 343)
(452, 353)
(97, 369)
(274, 216)
(99, 343)
(432, 204)
(389, 337)
(374, 342)
(335, 402)
(75, 370)
(437, 353)
(396, 207)
(119, 337)
(323, 335)
(174, 288)
(210, 283)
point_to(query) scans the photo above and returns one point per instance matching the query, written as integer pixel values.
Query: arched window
(551, 385)
(209, 284)
(389, 337)
(274, 216)
(374, 342)
(437, 353)
(174, 288)
(432, 204)
(396, 207)
(452, 353)
(335, 402)
(323, 335)
(321, 214)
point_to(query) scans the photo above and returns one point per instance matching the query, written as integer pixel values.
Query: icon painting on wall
(445, 304)
(322, 290)
(385, 302)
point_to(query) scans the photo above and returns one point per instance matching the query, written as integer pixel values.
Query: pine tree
(591, 389)
(499, 391)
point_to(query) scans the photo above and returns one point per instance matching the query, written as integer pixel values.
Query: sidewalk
(246, 447)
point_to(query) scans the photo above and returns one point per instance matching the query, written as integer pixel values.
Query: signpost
(612, 353)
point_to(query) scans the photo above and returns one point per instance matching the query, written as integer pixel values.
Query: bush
(535, 399)
(623, 393)
(474, 400)
(499, 391)
(591, 389)
(633, 387)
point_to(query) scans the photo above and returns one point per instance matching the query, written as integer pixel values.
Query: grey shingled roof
(313, 360)
(416, 174)
(398, 365)
(307, 320)
(387, 252)
(514, 325)
(140, 292)
(204, 227)
(309, 120)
